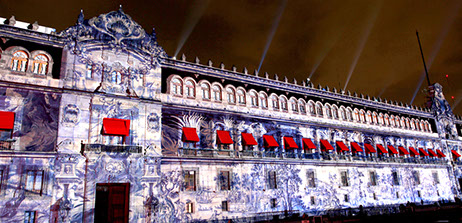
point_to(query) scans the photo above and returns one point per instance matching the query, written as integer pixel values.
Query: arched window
(417, 124)
(294, 105)
(116, 77)
(397, 122)
(319, 109)
(343, 113)
(392, 121)
(253, 98)
(177, 87)
(190, 89)
(349, 114)
(386, 120)
(19, 61)
(422, 126)
(429, 128)
(328, 111)
(311, 108)
(241, 96)
(402, 122)
(275, 102)
(356, 115)
(284, 104)
(368, 117)
(216, 93)
(362, 117)
(264, 101)
(334, 112)
(302, 106)
(374, 118)
(40, 64)
(412, 124)
(408, 124)
(380, 119)
(231, 95)
(205, 88)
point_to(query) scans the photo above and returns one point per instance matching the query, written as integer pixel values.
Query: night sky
(374, 41)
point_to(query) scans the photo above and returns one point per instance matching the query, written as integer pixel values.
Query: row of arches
(20, 59)
(204, 90)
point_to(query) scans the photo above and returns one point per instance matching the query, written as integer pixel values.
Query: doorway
(111, 204)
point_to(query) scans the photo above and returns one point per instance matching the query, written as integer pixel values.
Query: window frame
(186, 172)
(272, 180)
(223, 184)
(395, 178)
(311, 179)
(21, 62)
(344, 178)
(373, 178)
(25, 180)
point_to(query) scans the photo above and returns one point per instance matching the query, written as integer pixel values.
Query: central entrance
(111, 203)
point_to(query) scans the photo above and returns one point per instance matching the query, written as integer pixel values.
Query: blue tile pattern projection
(56, 159)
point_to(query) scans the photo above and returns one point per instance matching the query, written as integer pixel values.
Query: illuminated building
(99, 124)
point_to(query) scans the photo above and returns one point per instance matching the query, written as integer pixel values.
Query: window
(275, 102)
(335, 112)
(328, 111)
(311, 178)
(224, 206)
(284, 104)
(272, 181)
(116, 77)
(374, 196)
(311, 108)
(349, 114)
(189, 180)
(387, 122)
(302, 107)
(373, 178)
(29, 216)
(419, 194)
(34, 181)
(369, 117)
(274, 202)
(216, 93)
(177, 87)
(253, 99)
(395, 178)
(397, 194)
(436, 179)
(19, 61)
(241, 96)
(312, 200)
(355, 115)
(205, 91)
(362, 117)
(346, 198)
(380, 119)
(343, 114)
(416, 177)
(263, 101)
(89, 73)
(319, 109)
(294, 105)
(40, 64)
(224, 180)
(407, 123)
(189, 207)
(344, 178)
(374, 118)
(231, 96)
(190, 89)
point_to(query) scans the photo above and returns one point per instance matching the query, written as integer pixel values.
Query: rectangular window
(224, 206)
(189, 180)
(189, 207)
(373, 177)
(272, 181)
(419, 194)
(395, 178)
(374, 196)
(344, 178)
(397, 194)
(34, 181)
(311, 178)
(274, 203)
(416, 177)
(312, 200)
(436, 179)
(225, 181)
(346, 198)
(29, 217)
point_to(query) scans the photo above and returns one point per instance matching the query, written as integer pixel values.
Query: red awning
(308, 144)
(369, 148)
(440, 154)
(289, 143)
(392, 149)
(356, 147)
(413, 151)
(455, 154)
(342, 147)
(381, 149)
(402, 151)
(117, 127)
(190, 135)
(325, 145)
(6, 120)
(422, 152)
(248, 139)
(270, 141)
(224, 137)
(432, 153)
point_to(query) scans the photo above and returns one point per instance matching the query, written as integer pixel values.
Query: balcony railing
(112, 148)
(206, 152)
(6, 144)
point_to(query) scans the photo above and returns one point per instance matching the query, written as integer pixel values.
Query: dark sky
(375, 41)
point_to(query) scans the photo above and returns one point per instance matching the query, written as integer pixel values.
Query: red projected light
(452, 97)
(447, 76)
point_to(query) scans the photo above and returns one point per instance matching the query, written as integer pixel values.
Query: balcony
(111, 148)
(195, 152)
(6, 144)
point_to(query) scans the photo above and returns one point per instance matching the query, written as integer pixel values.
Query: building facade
(99, 124)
